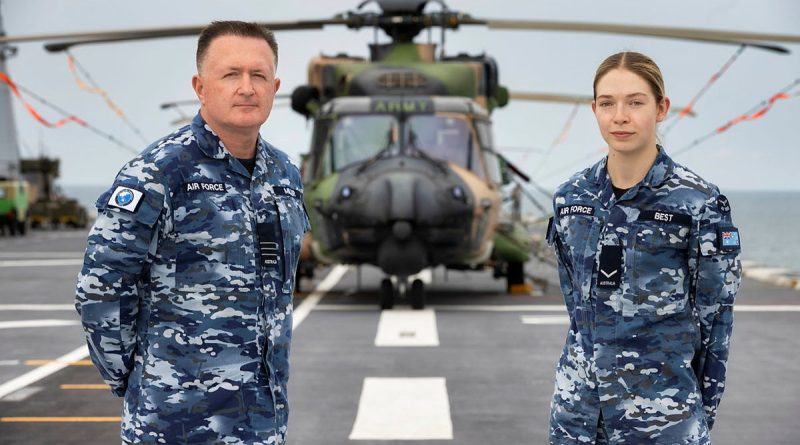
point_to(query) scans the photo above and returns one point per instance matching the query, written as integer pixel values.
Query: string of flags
(690, 106)
(18, 89)
(756, 112)
(562, 136)
(33, 112)
(93, 88)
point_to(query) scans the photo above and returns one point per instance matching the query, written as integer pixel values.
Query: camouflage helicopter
(402, 172)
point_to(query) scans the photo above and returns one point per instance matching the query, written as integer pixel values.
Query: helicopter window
(475, 161)
(484, 130)
(319, 160)
(445, 138)
(356, 138)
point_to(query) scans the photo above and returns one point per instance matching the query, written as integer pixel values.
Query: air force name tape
(287, 191)
(575, 210)
(665, 217)
(125, 198)
(216, 187)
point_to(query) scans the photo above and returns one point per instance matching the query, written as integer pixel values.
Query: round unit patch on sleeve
(125, 198)
(723, 204)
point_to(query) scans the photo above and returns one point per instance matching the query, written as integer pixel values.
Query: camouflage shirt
(649, 281)
(186, 290)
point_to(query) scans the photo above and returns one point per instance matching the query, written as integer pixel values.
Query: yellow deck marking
(84, 386)
(59, 419)
(47, 362)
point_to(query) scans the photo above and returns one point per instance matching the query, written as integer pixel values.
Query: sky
(762, 154)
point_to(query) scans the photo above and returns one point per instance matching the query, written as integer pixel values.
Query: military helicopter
(402, 172)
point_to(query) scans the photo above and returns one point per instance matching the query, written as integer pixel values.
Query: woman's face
(627, 112)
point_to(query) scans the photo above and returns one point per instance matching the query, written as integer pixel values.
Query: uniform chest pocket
(210, 243)
(658, 273)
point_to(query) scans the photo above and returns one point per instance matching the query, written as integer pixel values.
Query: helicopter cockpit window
(356, 138)
(492, 162)
(441, 137)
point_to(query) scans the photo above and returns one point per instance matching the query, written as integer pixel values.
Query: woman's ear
(663, 109)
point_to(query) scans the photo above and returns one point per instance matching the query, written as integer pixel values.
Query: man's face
(236, 84)
(627, 112)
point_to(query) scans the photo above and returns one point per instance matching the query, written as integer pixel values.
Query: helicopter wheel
(417, 294)
(515, 275)
(387, 294)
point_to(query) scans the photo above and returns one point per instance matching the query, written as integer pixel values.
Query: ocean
(767, 222)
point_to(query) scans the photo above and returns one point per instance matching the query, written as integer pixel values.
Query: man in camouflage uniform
(649, 281)
(186, 288)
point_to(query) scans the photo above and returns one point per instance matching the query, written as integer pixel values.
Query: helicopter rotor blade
(450, 20)
(550, 97)
(194, 102)
(753, 39)
(65, 41)
(570, 99)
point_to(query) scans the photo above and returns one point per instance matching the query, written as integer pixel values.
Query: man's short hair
(234, 28)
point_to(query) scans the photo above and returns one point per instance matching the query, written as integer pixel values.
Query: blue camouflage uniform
(649, 281)
(186, 290)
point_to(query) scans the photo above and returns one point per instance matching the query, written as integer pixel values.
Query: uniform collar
(658, 173)
(211, 145)
(207, 140)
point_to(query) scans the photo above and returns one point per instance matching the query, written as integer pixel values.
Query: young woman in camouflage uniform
(649, 268)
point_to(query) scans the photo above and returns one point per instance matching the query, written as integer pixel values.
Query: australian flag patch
(728, 239)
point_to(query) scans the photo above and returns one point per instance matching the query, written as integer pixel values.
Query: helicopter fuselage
(403, 183)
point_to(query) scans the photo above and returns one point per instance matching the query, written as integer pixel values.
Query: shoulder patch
(728, 239)
(575, 209)
(125, 198)
(723, 204)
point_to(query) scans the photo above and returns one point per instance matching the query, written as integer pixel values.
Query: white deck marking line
(531, 307)
(41, 263)
(22, 394)
(43, 371)
(50, 255)
(403, 409)
(308, 304)
(451, 307)
(766, 308)
(545, 319)
(9, 362)
(37, 307)
(82, 352)
(406, 327)
(37, 323)
(502, 308)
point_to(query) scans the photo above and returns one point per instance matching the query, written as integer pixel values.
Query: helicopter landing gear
(387, 293)
(415, 292)
(515, 276)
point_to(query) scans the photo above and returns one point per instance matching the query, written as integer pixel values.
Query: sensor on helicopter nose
(457, 192)
(346, 192)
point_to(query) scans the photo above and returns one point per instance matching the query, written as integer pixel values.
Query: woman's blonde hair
(636, 63)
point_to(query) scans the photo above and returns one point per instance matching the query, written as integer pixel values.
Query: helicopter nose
(401, 213)
(402, 230)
